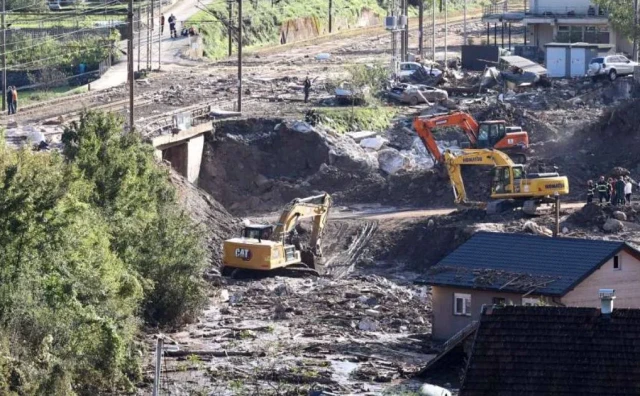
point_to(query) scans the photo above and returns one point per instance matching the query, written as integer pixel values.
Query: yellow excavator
(267, 247)
(511, 185)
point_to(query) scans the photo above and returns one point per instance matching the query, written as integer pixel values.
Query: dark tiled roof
(521, 262)
(527, 351)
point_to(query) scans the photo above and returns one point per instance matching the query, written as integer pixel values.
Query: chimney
(606, 299)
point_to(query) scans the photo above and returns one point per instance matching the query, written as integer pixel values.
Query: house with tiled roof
(522, 269)
(553, 351)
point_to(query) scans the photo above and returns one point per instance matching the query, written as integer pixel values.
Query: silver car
(611, 66)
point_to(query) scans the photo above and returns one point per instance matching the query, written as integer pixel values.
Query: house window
(462, 304)
(617, 265)
(530, 302)
(499, 301)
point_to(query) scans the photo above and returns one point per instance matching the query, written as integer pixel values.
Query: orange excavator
(513, 141)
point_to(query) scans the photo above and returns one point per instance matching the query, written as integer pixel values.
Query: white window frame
(613, 264)
(466, 304)
(530, 301)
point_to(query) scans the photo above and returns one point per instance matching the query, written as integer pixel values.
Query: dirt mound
(589, 215)
(259, 165)
(203, 209)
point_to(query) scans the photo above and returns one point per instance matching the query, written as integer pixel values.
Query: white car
(611, 66)
(408, 68)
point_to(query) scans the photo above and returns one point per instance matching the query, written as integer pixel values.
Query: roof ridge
(533, 236)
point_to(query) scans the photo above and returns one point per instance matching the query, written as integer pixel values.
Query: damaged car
(415, 94)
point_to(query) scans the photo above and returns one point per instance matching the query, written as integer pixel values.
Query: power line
(13, 67)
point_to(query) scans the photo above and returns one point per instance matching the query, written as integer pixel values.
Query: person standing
(590, 191)
(161, 23)
(620, 184)
(307, 89)
(628, 187)
(10, 100)
(172, 26)
(602, 187)
(14, 94)
(611, 191)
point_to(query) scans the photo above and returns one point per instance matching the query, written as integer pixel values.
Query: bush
(92, 242)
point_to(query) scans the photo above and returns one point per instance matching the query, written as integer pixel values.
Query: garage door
(578, 68)
(556, 62)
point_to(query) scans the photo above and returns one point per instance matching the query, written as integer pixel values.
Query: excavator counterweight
(267, 247)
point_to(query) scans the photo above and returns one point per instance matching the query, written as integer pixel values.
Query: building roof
(521, 263)
(524, 64)
(550, 351)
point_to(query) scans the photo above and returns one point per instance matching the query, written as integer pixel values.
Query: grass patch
(30, 97)
(262, 23)
(357, 118)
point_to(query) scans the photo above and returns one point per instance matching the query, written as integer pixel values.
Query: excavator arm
(316, 207)
(454, 162)
(425, 125)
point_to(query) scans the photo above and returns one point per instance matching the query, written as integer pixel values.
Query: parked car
(408, 68)
(414, 94)
(345, 94)
(611, 66)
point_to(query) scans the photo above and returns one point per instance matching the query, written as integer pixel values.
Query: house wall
(625, 281)
(540, 34)
(445, 324)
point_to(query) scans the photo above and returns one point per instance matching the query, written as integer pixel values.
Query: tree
(620, 15)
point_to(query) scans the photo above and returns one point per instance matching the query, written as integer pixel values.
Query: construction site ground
(363, 326)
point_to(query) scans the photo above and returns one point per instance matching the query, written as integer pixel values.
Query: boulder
(537, 229)
(360, 135)
(374, 143)
(618, 215)
(391, 161)
(433, 390)
(613, 225)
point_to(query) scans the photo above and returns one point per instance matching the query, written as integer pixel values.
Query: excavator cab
(490, 133)
(258, 231)
(506, 179)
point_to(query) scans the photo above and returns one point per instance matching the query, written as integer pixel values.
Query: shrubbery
(92, 243)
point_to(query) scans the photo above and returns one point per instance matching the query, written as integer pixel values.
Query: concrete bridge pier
(183, 150)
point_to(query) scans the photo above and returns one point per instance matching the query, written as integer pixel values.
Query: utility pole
(229, 30)
(330, 16)
(401, 19)
(635, 30)
(139, 37)
(151, 29)
(406, 31)
(129, 61)
(4, 59)
(239, 55)
(446, 33)
(433, 30)
(160, 41)
(464, 23)
(421, 29)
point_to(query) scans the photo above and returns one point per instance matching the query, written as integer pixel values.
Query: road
(171, 48)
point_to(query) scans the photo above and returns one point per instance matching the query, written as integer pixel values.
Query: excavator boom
(488, 134)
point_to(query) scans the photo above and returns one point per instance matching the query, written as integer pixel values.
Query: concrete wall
(195, 150)
(625, 281)
(445, 324)
(540, 34)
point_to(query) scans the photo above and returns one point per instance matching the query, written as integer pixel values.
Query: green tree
(620, 15)
(151, 235)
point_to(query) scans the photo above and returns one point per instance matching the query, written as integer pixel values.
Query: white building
(547, 21)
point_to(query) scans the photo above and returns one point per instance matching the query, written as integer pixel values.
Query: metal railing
(505, 8)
